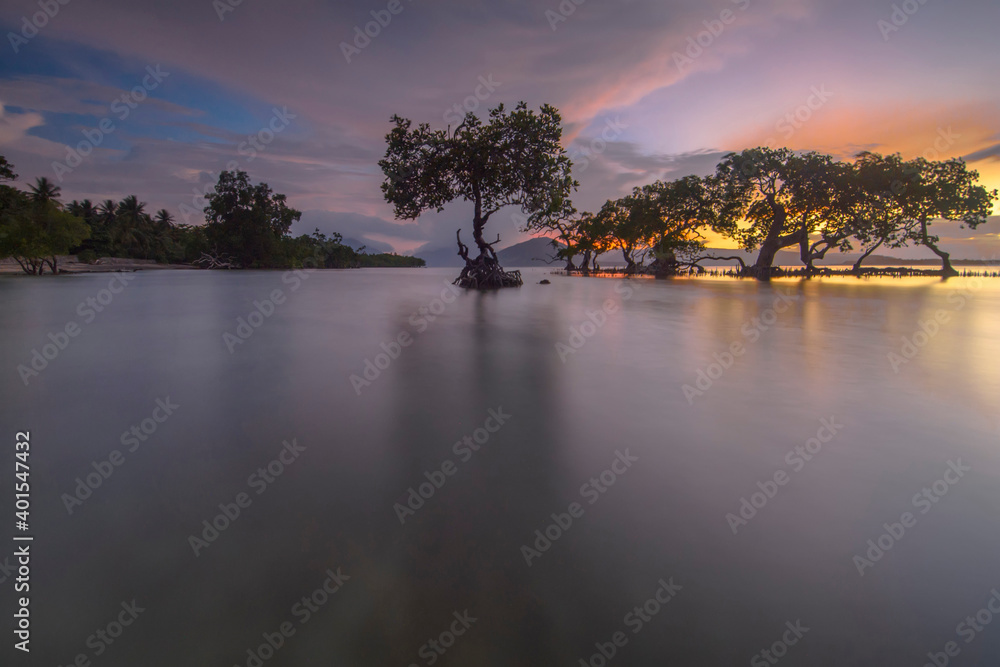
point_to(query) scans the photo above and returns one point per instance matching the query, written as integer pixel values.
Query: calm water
(568, 413)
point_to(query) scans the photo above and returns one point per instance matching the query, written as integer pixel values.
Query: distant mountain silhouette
(444, 256)
(371, 247)
(533, 252)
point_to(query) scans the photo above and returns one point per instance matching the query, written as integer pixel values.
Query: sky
(155, 99)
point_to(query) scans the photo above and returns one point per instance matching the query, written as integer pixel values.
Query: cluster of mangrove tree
(764, 199)
(768, 199)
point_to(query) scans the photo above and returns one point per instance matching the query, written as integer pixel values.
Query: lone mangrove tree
(515, 159)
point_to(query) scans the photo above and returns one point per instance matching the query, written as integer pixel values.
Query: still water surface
(814, 365)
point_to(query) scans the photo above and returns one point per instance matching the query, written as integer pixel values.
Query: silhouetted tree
(6, 170)
(34, 228)
(513, 160)
(678, 212)
(770, 190)
(944, 190)
(44, 190)
(247, 221)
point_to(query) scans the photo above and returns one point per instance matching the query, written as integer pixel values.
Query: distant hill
(446, 256)
(371, 247)
(533, 252)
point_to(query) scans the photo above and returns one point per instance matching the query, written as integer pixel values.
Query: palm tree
(97, 242)
(107, 211)
(162, 235)
(132, 207)
(107, 218)
(44, 191)
(134, 228)
(163, 219)
(83, 209)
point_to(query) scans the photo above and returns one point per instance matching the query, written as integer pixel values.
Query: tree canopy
(34, 228)
(514, 159)
(247, 221)
(768, 199)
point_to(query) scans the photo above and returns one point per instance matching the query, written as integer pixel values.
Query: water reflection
(826, 353)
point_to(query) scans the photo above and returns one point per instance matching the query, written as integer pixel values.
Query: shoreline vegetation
(764, 199)
(769, 199)
(72, 264)
(247, 227)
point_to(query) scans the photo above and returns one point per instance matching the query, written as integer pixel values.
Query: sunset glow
(682, 83)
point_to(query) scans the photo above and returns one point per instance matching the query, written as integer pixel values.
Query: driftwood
(207, 261)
